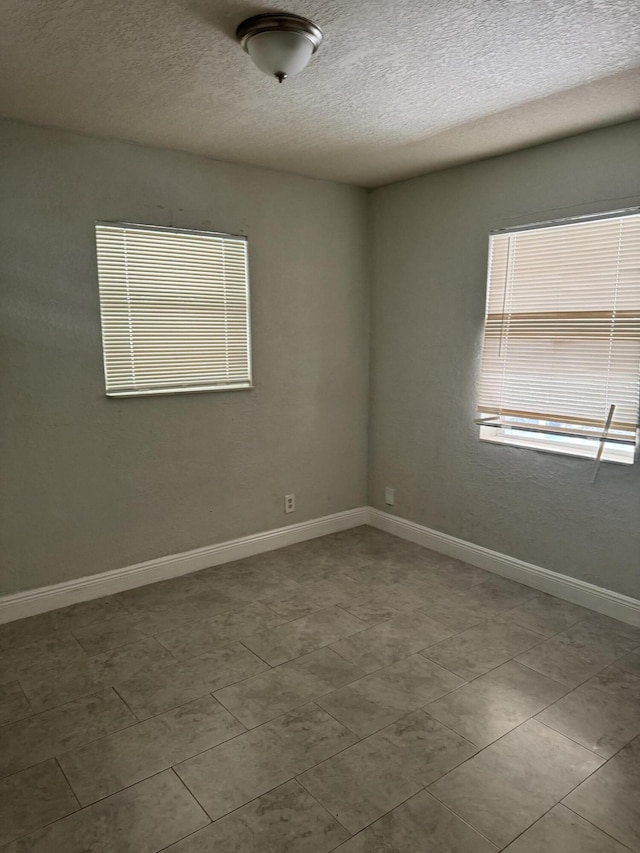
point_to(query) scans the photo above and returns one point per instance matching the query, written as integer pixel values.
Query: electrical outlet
(289, 503)
(389, 496)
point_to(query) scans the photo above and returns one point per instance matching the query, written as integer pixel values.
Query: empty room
(320, 481)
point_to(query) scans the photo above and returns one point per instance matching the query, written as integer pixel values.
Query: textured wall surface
(429, 243)
(90, 483)
(396, 89)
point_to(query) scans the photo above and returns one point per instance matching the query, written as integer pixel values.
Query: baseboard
(571, 589)
(46, 598)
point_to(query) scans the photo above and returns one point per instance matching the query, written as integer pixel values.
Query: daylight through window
(561, 354)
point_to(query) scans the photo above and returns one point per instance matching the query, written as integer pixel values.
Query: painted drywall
(429, 243)
(91, 484)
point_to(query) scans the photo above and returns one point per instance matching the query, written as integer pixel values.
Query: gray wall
(90, 483)
(429, 244)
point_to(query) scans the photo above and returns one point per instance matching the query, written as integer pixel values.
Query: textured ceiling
(396, 89)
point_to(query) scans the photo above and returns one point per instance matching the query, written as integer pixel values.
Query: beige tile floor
(354, 693)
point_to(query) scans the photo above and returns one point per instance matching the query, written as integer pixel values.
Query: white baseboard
(47, 598)
(571, 589)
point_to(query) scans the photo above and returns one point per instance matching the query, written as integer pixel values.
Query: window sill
(618, 454)
(195, 389)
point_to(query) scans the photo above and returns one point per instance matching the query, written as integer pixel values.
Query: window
(561, 355)
(175, 310)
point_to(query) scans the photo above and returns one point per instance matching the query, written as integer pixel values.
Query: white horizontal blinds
(175, 309)
(562, 334)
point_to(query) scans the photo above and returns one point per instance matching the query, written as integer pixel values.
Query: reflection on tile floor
(355, 693)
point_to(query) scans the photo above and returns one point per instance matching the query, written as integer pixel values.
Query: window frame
(177, 388)
(603, 447)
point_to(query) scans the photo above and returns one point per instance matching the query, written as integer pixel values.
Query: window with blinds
(560, 362)
(174, 307)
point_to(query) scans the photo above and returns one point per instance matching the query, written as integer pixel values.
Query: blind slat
(562, 330)
(174, 308)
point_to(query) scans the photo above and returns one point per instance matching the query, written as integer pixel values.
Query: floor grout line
(320, 804)
(341, 605)
(595, 825)
(40, 828)
(189, 791)
(568, 737)
(344, 725)
(557, 803)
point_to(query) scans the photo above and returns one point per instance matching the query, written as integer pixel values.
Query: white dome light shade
(281, 45)
(280, 53)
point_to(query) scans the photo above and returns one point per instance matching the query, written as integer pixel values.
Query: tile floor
(354, 693)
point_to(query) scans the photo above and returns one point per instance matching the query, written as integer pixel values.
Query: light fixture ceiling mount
(280, 44)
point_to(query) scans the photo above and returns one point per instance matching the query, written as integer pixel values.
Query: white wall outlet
(389, 496)
(289, 503)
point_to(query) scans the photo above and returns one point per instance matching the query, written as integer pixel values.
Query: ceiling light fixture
(281, 45)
